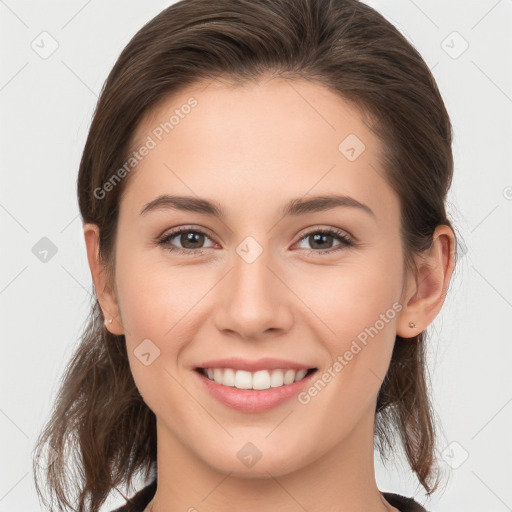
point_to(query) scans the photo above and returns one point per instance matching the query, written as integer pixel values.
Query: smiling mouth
(259, 380)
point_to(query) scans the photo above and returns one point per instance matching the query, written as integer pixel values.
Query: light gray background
(46, 107)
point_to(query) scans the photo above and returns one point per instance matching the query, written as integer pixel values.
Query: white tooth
(243, 380)
(289, 376)
(277, 378)
(229, 377)
(261, 380)
(300, 375)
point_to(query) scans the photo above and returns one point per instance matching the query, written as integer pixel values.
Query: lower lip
(251, 400)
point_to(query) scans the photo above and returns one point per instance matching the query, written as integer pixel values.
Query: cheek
(153, 310)
(358, 309)
(351, 297)
(160, 303)
(152, 294)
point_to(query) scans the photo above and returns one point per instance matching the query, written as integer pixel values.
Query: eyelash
(346, 242)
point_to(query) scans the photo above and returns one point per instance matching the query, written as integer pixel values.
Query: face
(318, 286)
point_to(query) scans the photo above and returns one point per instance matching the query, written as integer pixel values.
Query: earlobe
(104, 291)
(426, 296)
(114, 326)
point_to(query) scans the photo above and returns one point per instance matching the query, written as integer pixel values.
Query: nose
(254, 301)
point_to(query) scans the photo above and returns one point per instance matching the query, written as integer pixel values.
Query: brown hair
(342, 44)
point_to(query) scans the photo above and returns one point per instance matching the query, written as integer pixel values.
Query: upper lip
(266, 363)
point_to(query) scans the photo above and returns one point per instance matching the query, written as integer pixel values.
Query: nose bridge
(253, 299)
(252, 278)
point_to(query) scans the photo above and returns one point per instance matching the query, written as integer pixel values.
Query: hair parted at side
(99, 417)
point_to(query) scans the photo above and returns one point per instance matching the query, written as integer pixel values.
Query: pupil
(191, 237)
(320, 237)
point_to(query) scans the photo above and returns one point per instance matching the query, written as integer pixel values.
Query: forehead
(264, 141)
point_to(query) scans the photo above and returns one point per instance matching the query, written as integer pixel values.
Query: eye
(323, 238)
(191, 240)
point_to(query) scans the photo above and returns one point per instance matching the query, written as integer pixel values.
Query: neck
(341, 479)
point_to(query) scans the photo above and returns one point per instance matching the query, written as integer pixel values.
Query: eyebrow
(294, 207)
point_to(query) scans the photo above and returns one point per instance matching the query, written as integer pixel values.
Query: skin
(252, 148)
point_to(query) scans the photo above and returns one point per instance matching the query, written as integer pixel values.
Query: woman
(263, 196)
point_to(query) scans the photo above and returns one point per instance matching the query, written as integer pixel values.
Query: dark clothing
(140, 501)
(143, 497)
(402, 503)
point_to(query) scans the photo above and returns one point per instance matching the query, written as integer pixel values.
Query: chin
(249, 462)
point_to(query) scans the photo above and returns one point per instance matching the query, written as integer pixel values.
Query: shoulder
(403, 503)
(139, 502)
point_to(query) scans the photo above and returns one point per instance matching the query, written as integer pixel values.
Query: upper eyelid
(176, 231)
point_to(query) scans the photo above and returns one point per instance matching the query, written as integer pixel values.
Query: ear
(426, 291)
(106, 295)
